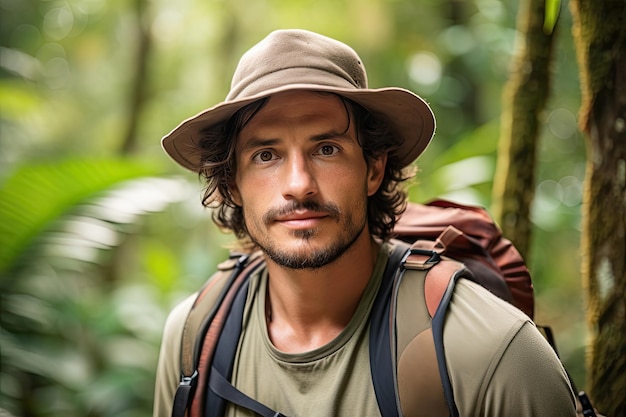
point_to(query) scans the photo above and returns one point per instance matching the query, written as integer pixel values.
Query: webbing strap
(382, 364)
(203, 326)
(220, 389)
(195, 330)
(224, 357)
(213, 336)
(184, 393)
(437, 330)
(202, 314)
(220, 386)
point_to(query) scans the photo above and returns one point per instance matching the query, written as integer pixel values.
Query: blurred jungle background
(101, 234)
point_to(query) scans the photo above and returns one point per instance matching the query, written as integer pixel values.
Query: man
(304, 162)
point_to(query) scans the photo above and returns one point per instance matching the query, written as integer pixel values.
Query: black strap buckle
(433, 256)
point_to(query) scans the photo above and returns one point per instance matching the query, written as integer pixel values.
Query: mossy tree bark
(600, 35)
(523, 100)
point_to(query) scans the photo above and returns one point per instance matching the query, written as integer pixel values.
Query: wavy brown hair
(218, 167)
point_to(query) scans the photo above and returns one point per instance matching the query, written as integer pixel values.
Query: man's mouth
(301, 219)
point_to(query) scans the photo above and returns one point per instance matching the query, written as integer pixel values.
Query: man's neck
(308, 308)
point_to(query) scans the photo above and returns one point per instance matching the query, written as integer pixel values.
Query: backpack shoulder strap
(451, 272)
(439, 287)
(382, 363)
(440, 276)
(221, 391)
(202, 330)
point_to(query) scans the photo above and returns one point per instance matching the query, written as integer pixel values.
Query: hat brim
(408, 115)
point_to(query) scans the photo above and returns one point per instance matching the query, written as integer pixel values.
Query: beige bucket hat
(302, 60)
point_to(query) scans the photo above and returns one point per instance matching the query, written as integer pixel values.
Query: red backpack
(472, 247)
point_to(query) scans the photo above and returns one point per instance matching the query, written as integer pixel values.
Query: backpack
(474, 249)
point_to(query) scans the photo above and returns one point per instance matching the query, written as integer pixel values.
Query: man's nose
(299, 179)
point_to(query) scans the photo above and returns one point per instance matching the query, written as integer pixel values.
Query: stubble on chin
(307, 257)
(306, 234)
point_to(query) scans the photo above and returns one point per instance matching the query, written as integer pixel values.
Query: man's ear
(376, 173)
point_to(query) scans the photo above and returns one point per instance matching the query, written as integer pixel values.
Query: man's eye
(264, 156)
(328, 150)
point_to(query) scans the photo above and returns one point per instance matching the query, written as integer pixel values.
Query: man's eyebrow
(256, 143)
(331, 135)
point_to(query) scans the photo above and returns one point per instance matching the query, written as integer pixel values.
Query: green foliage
(37, 194)
(51, 319)
(462, 171)
(80, 324)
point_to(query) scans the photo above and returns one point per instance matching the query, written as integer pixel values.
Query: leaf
(552, 15)
(37, 194)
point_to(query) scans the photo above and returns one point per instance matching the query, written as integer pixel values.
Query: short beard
(309, 259)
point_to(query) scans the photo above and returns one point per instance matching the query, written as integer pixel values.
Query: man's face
(302, 179)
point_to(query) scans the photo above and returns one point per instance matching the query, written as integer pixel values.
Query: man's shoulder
(491, 344)
(480, 324)
(175, 322)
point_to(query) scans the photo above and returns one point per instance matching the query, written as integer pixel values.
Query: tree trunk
(140, 78)
(523, 100)
(600, 35)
